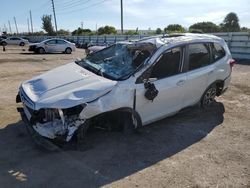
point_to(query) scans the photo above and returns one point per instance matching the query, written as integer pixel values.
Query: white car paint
(54, 45)
(78, 87)
(71, 85)
(15, 41)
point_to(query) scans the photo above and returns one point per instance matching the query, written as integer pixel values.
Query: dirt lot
(192, 149)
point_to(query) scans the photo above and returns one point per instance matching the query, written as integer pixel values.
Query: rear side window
(61, 42)
(218, 51)
(168, 64)
(199, 56)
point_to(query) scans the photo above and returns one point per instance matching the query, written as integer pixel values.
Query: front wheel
(208, 97)
(41, 51)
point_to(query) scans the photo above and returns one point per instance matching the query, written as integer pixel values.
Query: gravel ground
(194, 148)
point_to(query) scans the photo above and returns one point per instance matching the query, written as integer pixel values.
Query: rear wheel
(41, 51)
(68, 50)
(208, 97)
(22, 44)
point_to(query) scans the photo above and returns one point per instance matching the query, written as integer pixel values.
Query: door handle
(180, 82)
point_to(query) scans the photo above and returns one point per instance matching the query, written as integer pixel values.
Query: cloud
(216, 17)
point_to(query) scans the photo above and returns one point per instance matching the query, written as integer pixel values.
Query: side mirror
(151, 91)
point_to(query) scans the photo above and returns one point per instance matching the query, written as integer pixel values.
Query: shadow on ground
(106, 156)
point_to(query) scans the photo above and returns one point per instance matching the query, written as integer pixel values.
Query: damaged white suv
(126, 85)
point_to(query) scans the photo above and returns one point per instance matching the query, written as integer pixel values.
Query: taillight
(232, 62)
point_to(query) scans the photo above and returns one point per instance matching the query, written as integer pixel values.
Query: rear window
(218, 52)
(199, 56)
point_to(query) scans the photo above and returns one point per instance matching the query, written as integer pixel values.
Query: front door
(170, 81)
(50, 46)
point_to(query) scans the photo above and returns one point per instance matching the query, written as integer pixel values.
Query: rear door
(199, 68)
(61, 45)
(169, 80)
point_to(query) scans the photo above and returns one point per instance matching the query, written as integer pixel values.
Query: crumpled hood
(65, 87)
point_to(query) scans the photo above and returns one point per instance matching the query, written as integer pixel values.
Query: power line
(77, 10)
(72, 5)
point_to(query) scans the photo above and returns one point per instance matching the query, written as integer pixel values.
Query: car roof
(54, 39)
(179, 38)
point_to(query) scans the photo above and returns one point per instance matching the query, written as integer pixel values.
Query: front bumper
(32, 48)
(38, 139)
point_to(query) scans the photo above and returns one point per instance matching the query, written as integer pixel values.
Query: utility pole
(31, 23)
(121, 17)
(16, 25)
(9, 27)
(82, 25)
(28, 25)
(5, 28)
(53, 7)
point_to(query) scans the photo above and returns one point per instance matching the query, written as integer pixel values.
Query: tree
(245, 29)
(63, 32)
(47, 24)
(174, 28)
(131, 32)
(231, 23)
(106, 30)
(206, 27)
(80, 31)
(38, 33)
(158, 31)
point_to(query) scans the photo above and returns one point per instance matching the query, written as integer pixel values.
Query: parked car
(95, 48)
(14, 41)
(54, 45)
(126, 85)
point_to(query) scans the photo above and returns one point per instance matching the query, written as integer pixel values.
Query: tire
(4, 43)
(129, 124)
(68, 51)
(41, 51)
(21, 44)
(208, 97)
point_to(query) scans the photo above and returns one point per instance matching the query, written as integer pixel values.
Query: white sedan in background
(15, 41)
(54, 45)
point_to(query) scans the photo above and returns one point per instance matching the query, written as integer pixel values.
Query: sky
(143, 14)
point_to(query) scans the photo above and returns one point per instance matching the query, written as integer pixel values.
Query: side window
(218, 52)
(168, 64)
(61, 42)
(199, 56)
(51, 42)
